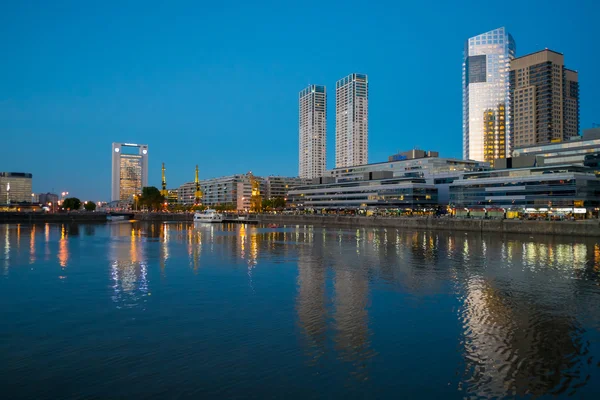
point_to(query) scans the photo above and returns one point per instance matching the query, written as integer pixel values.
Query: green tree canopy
(152, 198)
(89, 206)
(71, 203)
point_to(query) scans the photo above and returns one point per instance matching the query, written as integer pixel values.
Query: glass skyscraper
(486, 107)
(129, 170)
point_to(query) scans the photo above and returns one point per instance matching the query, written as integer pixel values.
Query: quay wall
(38, 218)
(164, 217)
(570, 228)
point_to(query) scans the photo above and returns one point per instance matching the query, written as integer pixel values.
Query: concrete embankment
(40, 218)
(570, 228)
(164, 217)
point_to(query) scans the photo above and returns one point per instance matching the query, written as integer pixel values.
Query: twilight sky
(216, 83)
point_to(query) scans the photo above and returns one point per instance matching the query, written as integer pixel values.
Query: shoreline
(585, 228)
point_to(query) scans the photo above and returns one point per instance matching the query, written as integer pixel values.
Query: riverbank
(569, 228)
(163, 217)
(40, 218)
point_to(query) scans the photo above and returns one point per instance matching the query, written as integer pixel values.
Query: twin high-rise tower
(351, 130)
(511, 102)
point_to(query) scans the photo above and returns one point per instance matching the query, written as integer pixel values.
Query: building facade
(312, 128)
(546, 188)
(45, 198)
(437, 171)
(573, 151)
(15, 187)
(544, 99)
(279, 186)
(129, 170)
(391, 193)
(352, 121)
(486, 107)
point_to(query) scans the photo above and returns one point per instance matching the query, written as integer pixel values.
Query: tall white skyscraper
(486, 106)
(352, 121)
(129, 170)
(312, 132)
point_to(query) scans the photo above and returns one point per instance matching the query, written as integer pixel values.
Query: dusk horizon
(218, 86)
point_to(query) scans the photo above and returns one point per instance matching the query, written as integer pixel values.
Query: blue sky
(216, 83)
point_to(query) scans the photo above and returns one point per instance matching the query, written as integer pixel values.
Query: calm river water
(135, 310)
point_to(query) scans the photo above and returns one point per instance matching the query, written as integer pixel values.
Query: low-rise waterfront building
(571, 151)
(434, 170)
(15, 187)
(543, 188)
(388, 193)
(279, 186)
(45, 198)
(236, 190)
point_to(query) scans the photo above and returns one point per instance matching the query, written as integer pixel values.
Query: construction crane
(256, 198)
(164, 190)
(198, 194)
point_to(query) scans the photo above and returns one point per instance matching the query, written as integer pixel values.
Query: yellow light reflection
(32, 245)
(63, 248)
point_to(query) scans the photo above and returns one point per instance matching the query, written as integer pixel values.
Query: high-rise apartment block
(544, 99)
(129, 170)
(352, 121)
(486, 107)
(312, 132)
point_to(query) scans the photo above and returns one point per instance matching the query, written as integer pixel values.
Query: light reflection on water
(233, 310)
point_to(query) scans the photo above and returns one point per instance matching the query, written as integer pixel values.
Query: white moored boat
(208, 216)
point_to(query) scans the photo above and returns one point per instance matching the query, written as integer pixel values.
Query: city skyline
(89, 83)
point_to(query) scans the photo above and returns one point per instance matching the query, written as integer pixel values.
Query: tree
(71, 203)
(152, 198)
(89, 206)
(278, 202)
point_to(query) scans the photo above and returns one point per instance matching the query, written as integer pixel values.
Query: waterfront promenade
(590, 227)
(569, 228)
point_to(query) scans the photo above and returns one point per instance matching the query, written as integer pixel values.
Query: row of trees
(73, 203)
(152, 200)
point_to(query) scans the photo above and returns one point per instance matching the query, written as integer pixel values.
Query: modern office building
(312, 132)
(372, 192)
(15, 187)
(541, 188)
(437, 171)
(573, 151)
(486, 107)
(352, 121)
(279, 186)
(412, 154)
(129, 170)
(544, 99)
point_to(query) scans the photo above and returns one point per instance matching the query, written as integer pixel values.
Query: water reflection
(128, 266)
(521, 312)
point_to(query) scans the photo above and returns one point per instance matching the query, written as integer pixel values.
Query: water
(136, 310)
